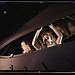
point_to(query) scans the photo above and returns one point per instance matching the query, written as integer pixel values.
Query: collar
(26, 51)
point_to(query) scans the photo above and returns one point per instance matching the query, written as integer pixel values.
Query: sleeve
(30, 50)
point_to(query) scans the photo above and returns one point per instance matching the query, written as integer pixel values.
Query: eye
(43, 37)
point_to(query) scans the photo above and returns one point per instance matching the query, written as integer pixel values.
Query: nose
(46, 38)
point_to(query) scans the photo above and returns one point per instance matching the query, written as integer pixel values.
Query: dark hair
(45, 30)
(24, 41)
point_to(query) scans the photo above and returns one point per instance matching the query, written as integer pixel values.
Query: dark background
(14, 15)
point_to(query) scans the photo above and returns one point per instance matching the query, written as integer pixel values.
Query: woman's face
(47, 39)
(24, 46)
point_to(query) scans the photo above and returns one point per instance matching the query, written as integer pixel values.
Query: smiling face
(47, 38)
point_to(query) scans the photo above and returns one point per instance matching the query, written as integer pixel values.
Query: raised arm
(34, 42)
(58, 33)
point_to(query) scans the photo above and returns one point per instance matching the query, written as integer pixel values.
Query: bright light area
(5, 12)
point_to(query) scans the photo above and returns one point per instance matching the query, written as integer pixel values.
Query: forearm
(35, 37)
(58, 33)
(55, 30)
(34, 42)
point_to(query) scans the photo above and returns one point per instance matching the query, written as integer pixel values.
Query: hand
(51, 26)
(11, 55)
(40, 29)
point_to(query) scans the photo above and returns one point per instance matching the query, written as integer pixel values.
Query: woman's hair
(24, 41)
(44, 32)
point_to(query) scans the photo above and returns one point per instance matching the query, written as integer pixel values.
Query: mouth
(47, 42)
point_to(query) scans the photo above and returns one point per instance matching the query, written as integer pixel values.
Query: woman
(47, 39)
(25, 46)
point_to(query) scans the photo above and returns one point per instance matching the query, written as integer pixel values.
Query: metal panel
(56, 58)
